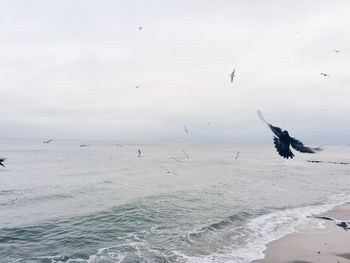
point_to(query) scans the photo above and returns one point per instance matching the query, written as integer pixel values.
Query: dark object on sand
(1, 161)
(283, 141)
(341, 223)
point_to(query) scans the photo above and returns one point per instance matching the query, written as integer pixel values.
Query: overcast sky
(68, 69)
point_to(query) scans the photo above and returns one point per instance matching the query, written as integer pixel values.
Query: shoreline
(310, 244)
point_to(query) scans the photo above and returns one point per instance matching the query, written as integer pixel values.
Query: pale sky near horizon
(69, 69)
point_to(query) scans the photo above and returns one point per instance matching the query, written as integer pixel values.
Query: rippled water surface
(177, 203)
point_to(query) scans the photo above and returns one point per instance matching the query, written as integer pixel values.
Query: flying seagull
(83, 145)
(282, 141)
(324, 74)
(176, 160)
(185, 153)
(48, 141)
(168, 171)
(237, 155)
(336, 51)
(185, 130)
(1, 161)
(344, 224)
(14, 201)
(140, 28)
(232, 75)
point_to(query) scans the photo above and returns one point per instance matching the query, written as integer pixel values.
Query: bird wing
(299, 146)
(282, 149)
(326, 218)
(276, 130)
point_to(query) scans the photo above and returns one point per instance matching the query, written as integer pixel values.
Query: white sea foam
(266, 228)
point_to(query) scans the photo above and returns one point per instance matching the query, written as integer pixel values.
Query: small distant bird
(1, 161)
(324, 74)
(136, 87)
(48, 141)
(168, 171)
(345, 224)
(185, 153)
(83, 145)
(336, 51)
(237, 155)
(232, 75)
(185, 130)
(14, 201)
(139, 153)
(176, 160)
(140, 28)
(283, 141)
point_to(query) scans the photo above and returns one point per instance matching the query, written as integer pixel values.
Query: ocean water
(177, 203)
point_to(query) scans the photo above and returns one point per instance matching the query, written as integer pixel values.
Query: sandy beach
(312, 244)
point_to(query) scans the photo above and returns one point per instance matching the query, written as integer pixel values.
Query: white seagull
(232, 75)
(185, 130)
(345, 224)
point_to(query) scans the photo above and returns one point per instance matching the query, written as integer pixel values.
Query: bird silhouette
(336, 51)
(232, 75)
(1, 161)
(185, 130)
(48, 141)
(324, 74)
(283, 141)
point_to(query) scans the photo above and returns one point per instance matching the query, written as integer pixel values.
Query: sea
(176, 202)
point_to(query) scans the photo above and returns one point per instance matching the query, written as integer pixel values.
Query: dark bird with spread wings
(48, 141)
(342, 223)
(283, 141)
(1, 161)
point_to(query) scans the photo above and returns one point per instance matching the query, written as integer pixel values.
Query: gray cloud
(72, 67)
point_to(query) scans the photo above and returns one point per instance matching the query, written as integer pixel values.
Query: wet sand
(312, 244)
